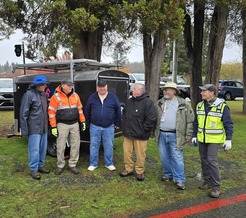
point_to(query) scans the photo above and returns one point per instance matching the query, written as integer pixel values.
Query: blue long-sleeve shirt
(226, 119)
(103, 114)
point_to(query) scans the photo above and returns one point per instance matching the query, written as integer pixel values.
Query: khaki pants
(65, 130)
(139, 146)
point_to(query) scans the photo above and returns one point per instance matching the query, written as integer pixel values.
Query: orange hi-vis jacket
(65, 108)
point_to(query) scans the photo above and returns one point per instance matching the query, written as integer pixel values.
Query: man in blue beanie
(34, 124)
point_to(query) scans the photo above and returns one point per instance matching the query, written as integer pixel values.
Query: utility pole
(24, 61)
(175, 62)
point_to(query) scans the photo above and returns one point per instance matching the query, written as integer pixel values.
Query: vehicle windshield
(180, 81)
(6, 83)
(139, 76)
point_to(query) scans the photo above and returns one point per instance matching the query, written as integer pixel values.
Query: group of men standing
(171, 121)
(67, 118)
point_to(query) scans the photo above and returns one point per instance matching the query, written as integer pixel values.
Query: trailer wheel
(51, 147)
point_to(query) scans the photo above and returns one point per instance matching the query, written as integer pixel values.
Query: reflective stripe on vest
(65, 107)
(210, 127)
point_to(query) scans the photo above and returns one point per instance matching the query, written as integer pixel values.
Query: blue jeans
(97, 134)
(171, 158)
(37, 147)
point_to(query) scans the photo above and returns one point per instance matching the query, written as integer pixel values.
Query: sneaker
(92, 168)
(74, 170)
(214, 193)
(140, 177)
(181, 185)
(43, 170)
(166, 179)
(35, 175)
(59, 171)
(125, 173)
(205, 186)
(111, 167)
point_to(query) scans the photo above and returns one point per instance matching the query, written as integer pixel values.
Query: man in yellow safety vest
(213, 127)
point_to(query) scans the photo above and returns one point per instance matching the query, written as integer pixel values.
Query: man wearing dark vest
(213, 127)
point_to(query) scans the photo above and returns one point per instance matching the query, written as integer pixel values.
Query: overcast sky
(232, 52)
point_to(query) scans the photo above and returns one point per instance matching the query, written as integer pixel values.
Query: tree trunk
(188, 42)
(89, 45)
(216, 43)
(194, 52)
(244, 56)
(153, 59)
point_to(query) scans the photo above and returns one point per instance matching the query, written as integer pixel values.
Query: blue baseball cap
(40, 79)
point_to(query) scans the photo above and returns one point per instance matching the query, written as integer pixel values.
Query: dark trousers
(209, 163)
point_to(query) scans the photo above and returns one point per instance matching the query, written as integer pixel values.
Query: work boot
(214, 193)
(140, 177)
(43, 170)
(205, 186)
(59, 171)
(74, 170)
(125, 173)
(35, 175)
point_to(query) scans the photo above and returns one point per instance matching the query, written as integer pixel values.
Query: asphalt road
(231, 204)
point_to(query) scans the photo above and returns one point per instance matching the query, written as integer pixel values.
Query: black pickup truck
(183, 88)
(184, 91)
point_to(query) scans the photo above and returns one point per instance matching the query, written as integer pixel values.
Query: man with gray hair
(173, 132)
(139, 118)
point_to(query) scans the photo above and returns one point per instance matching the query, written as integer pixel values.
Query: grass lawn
(103, 193)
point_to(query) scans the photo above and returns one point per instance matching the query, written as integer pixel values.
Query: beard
(166, 97)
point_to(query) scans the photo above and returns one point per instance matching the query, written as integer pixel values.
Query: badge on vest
(213, 124)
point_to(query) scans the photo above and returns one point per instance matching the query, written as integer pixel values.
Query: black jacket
(139, 118)
(33, 112)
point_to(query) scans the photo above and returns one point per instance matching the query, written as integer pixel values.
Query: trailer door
(118, 82)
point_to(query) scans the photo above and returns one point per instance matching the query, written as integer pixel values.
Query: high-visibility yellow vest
(210, 126)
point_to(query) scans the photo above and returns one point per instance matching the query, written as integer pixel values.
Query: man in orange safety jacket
(65, 114)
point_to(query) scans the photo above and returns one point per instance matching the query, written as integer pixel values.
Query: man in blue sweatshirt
(103, 114)
(213, 127)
